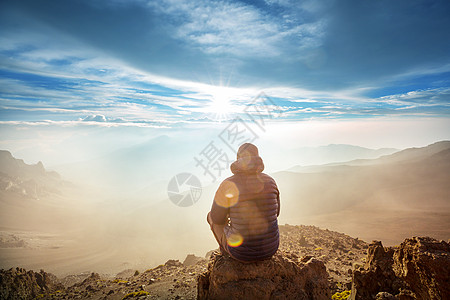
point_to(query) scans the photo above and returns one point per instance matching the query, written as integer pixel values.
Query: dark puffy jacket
(249, 201)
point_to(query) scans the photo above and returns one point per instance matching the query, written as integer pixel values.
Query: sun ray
(221, 105)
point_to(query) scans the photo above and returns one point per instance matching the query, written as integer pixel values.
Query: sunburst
(221, 105)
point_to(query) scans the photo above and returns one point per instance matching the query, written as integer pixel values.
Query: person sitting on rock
(243, 217)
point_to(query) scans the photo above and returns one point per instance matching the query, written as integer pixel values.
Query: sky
(81, 75)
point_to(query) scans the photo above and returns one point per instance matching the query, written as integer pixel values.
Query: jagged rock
(70, 280)
(284, 276)
(378, 256)
(125, 273)
(93, 278)
(173, 263)
(424, 263)
(209, 253)
(418, 269)
(21, 284)
(191, 259)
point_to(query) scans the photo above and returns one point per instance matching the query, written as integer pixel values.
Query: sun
(221, 105)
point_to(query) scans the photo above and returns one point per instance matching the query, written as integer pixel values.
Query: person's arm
(219, 213)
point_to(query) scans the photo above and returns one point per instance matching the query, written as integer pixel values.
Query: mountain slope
(412, 154)
(395, 197)
(338, 153)
(18, 179)
(32, 198)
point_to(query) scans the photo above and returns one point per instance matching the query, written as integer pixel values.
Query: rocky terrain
(178, 280)
(311, 263)
(417, 269)
(284, 276)
(339, 252)
(21, 284)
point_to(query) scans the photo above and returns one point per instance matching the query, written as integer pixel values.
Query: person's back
(244, 214)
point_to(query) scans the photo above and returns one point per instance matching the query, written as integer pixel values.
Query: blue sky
(170, 63)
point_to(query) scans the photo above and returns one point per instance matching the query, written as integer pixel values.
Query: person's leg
(219, 234)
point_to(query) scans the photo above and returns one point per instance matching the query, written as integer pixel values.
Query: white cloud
(428, 97)
(95, 118)
(218, 27)
(92, 83)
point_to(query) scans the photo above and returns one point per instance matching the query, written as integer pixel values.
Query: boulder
(424, 263)
(125, 273)
(191, 259)
(377, 274)
(284, 276)
(19, 283)
(418, 269)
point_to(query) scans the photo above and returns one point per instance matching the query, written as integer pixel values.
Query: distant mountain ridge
(406, 155)
(20, 179)
(408, 190)
(412, 154)
(334, 153)
(17, 167)
(134, 167)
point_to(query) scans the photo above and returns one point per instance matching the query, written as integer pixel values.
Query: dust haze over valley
(111, 212)
(105, 106)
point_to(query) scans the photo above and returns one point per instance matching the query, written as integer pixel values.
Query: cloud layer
(160, 63)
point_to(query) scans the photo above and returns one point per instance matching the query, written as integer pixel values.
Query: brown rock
(21, 284)
(92, 279)
(173, 263)
(377, 275)
(125, 273)
(418, 269)
(191, 259)
(378, 256)
(424, 263)
(281, 277)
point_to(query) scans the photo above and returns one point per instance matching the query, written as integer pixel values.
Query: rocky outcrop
(424, 263)
(21, 284)
(338, 251)
(20, 180)
(418, 269)
(284, 276)
(191, 259)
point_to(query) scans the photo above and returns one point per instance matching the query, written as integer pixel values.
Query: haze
(118, 97)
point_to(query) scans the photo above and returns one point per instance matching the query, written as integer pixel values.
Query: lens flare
(235, 240)
(227, 195)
